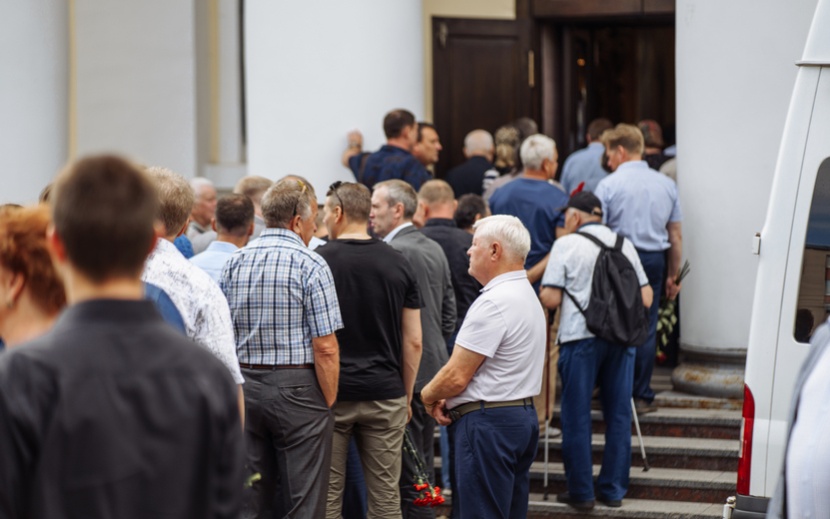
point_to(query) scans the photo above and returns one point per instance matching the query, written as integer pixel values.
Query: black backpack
(615, 310)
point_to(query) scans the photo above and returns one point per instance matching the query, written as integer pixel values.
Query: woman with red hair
(31, 291)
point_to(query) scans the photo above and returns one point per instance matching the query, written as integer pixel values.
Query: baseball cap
(584, 201)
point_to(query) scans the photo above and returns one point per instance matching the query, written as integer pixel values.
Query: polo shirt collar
(514, 275)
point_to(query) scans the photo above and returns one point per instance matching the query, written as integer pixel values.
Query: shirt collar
(396, 230)
(632, 164)
(164, 246)
(222, 246)
(440, 222)
(513, 275)
(281, 234)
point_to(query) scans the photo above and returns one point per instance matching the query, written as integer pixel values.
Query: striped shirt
(281, 295)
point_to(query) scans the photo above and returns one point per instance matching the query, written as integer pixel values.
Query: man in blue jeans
(586, 360)
(642, 204)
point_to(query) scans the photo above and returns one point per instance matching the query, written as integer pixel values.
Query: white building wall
(33, 96)
(136, 81)
(315, 70)
(735, 74)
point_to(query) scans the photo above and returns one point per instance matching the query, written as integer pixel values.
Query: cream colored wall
(499, 9)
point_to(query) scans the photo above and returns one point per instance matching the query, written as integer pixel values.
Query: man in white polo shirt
(486, 389)
(586, 361)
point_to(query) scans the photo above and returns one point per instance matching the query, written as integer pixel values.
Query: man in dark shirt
(468, 177)
(113, 413)
(394, 159)
(380, 349)
(436, 207)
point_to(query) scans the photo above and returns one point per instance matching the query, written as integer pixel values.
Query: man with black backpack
(597, 278)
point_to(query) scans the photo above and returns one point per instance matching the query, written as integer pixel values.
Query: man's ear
(251, 229)
(213, 224)
(56, 247)
(496, 251)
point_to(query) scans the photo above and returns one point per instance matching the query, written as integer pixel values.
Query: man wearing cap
(486, 389)
(642, 205)
(586, 361)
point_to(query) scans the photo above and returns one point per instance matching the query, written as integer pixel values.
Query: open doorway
(621, 70)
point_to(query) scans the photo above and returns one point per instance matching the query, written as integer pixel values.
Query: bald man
(469, 176)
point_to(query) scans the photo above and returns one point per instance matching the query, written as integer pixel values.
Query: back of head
(396, 121)
(597, 126)
(478, 142)
(626, 135)
(253, 187)
(508, 139)
(285, 199)
(435, 192)
(354, 199)
(104, 210)
(23, 250)
(526, 127)
(535, 149)
(652, 133)
(400, 192)
(509, 232)
(175, 198)
(234, 214)
(470, 206)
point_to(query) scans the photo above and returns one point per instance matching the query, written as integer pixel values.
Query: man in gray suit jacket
(393, 204)
(805, 459)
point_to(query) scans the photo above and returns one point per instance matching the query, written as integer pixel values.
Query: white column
(312, 75)
(735, 74)
(33, 96)
(136, 81)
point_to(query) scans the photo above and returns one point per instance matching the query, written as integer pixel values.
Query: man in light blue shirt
(642, 205)
(234, 224)
(585, 165)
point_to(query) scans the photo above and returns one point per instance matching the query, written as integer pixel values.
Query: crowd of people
(150, 322)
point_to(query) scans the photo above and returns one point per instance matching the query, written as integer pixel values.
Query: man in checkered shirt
(285, 312)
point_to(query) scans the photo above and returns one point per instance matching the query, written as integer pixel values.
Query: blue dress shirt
(584, 165)
(213, 259)
(639, 203)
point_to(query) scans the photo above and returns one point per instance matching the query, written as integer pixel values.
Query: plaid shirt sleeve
(322, 306)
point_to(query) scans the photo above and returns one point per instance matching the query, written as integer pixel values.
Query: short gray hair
(287, 198)
(197, 183)
(400, 192)
(478, 141)
(508, 231)
(535, 149)
(175, 197)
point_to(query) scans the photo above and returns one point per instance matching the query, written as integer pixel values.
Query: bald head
(436, 200)
(479, 143)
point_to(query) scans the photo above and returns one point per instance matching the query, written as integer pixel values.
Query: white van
(792, 291)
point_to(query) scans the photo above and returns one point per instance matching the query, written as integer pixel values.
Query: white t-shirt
(571, 266)
(506, 324)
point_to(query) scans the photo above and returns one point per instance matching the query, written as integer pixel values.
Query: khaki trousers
(378, 428)
(549, 375)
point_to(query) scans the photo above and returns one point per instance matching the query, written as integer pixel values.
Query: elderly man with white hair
(469, 177)
(486, 389)
(204, 207)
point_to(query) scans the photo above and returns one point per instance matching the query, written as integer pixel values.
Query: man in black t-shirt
(380, 348)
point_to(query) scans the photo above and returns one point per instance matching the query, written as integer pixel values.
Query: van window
(814, 291)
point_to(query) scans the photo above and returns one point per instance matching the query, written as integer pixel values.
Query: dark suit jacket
(468, 177)
(438, 312)
(114, 413)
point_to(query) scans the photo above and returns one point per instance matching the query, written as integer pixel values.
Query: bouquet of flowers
(667, 315)
(429, 495)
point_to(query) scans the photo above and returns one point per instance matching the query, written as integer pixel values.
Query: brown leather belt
(272, 367)
(459, 411)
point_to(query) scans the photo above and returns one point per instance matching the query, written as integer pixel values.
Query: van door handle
(756, 244)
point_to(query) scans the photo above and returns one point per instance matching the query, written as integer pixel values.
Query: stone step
(678, 423)
(631, 509)
(665, 452)
(703, 486)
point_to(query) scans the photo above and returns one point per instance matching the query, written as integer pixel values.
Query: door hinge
(443, 33)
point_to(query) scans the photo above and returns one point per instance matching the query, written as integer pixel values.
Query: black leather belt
(459, 411)
(271, 367)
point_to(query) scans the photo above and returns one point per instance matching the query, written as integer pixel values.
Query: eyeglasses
(302, 192)
(333, 191)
